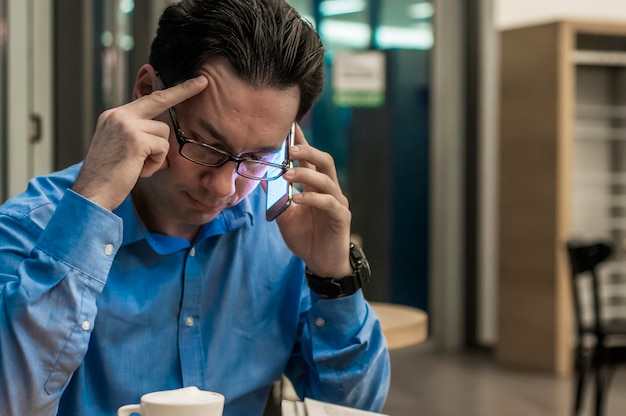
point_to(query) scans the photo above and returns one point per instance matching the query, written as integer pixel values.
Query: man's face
(229, 115)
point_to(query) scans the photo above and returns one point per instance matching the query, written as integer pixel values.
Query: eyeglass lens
(256, 168)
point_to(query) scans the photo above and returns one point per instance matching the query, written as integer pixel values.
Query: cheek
(244, 187)
(179, 164)
(172, 153)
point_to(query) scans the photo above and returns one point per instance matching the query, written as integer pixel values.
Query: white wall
(509, 13)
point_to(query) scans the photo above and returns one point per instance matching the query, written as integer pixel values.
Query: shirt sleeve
(53, 265)
(342, 355)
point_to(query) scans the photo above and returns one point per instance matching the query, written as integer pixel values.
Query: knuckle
(343, 200)
(164, 129)
(327, 159)
(159, 98)
(113, 120)
(329, 182)
(105, 115)
(116, 116)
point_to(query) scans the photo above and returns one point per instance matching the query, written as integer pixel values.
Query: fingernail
(295, 148)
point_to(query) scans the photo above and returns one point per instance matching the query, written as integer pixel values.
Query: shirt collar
(134, 229)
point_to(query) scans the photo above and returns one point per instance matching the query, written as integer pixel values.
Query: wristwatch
(332, 287)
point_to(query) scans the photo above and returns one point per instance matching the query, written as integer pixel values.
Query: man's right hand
(128, 143)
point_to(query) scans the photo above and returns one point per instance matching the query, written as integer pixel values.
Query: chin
(196, 217)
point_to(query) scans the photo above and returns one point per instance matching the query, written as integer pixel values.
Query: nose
(220, 181)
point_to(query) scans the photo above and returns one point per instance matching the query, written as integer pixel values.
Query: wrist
(330, 287)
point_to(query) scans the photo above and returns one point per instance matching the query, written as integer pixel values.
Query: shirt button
(189, 321)
(86, 325)
(192, 252)
(108, 249)
(320, 322)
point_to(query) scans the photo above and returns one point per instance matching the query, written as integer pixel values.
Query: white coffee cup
(188, 401)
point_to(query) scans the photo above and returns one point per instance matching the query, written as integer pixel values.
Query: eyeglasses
(265, 167)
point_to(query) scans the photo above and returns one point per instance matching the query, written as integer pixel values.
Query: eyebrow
(207, 126)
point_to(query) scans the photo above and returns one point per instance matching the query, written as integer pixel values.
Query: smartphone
(279, 191)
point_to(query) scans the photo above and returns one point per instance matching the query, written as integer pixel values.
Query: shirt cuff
(338, 321)
(83, 235)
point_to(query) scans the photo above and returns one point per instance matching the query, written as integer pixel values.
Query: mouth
(200, 206)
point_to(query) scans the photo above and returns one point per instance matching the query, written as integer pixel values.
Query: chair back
(584, 259)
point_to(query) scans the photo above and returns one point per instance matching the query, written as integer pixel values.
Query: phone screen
(279, 191)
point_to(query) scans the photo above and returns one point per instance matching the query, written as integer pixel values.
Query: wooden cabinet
(562, 164)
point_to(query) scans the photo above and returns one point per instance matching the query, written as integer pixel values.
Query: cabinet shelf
(599, 58)
(602, 138)
(599, 111)
(593, 178)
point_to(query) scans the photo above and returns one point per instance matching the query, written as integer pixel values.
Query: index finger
(150, 106)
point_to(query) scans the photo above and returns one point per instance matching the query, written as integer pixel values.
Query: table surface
(402, 325)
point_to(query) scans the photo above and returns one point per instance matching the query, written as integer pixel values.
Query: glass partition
(373, 118)
(3, 94)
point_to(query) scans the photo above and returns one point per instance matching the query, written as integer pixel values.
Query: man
(150, 266)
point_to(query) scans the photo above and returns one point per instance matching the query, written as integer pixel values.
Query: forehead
(226, 88)
(240, 112)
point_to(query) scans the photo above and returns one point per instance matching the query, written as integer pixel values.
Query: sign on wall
(358, 79)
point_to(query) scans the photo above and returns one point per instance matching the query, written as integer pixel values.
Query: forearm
(345, 354)
(50, 279)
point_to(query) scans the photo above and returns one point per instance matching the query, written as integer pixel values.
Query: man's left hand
(316, 227)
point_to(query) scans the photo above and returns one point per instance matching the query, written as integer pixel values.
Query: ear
(147, 81)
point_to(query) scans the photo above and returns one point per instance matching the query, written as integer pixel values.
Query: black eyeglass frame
(183, 140)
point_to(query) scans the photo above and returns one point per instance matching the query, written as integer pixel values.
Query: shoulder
(42, 194)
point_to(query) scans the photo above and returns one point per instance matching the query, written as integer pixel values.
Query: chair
(601, 334)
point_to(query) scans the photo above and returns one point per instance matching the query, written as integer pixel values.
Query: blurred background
(465, 134)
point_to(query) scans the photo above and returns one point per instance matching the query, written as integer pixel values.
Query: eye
(204, 142)
(254, 156)
(272, 157)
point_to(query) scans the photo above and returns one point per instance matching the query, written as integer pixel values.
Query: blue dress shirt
(96, 311)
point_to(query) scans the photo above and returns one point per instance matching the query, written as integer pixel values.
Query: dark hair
(266, 42)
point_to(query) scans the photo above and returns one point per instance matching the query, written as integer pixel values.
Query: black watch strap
(332, 288)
